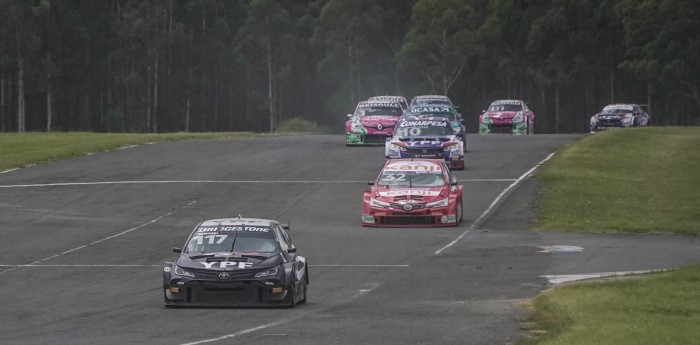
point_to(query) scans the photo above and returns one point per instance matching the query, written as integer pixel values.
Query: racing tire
(291, 303)
(306, 285)
(460, 212)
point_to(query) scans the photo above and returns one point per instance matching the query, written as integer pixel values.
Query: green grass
(642, 180)
(662, 308)
(22, 149)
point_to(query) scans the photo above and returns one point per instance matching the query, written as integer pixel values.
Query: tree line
(228, 65)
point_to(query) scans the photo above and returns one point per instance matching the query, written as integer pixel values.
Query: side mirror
(349, 115)
(370, 183)
(285, 226)
(177, 250)
(456, 107)
(483, 111)
(454, 183)
(292, 250)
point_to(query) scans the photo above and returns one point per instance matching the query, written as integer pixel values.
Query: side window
(283, 240)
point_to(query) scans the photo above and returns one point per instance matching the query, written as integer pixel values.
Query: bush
(300, 125)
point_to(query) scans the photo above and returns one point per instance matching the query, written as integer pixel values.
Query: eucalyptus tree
(663, 46)
(350, 31)
(441, 41)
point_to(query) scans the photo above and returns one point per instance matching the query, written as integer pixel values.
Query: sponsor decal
(451, 218)
(423, 123)
(368, 219)
(618, 106)
(232, 228)
(430, 109)
(227, 264)
(413, 166)
(408, 192)
(506, 101)
(166, 269)
(443, 219)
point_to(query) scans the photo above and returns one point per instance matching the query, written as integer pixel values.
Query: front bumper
(453, 161)
(233, 293)
(426, 217)
(503, 127)
(361, 139)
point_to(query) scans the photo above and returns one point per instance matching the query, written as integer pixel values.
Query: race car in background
(426, 137)
(236, 262)
(431, 100)
(413, 192)
(619, 116)
(445, 111)
(400, 99)
(508, 116)
(372, 122)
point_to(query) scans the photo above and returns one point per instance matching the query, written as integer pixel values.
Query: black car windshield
(222, 239)
(616, 111)
(382, 110)
(411, 179)
(506, 107)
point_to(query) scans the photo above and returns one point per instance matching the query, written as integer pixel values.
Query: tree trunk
(612, 86)
(2, 100)
(49, 113)
(556, 107)
(351, 75)
(155, 97)
(20, 90)
(270, 102)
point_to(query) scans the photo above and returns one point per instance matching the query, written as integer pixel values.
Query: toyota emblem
(407, 207)
(380, 127)
(224, 275)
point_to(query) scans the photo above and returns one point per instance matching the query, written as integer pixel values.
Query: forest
(155, 66)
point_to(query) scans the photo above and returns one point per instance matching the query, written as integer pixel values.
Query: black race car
(237, 262)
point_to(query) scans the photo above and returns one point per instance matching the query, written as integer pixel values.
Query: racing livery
(619, 116)
(399, 99)
(413, 192)
(508, 116)
(236, 262)
(372, 122)
(426, 137)
(446, 111)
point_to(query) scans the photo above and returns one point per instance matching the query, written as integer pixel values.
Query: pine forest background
(247, 65)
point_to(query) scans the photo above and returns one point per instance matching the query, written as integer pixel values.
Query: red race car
(413, 192)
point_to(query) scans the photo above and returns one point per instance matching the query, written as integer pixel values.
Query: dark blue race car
(236, 262)
(426, 137)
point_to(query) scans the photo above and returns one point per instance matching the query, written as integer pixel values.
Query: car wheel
(303, 299)
(291, 302)
(460, 212)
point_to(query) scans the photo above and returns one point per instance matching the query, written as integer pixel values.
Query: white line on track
(494, 203)
(90, 244)
(565, 278)
(297, 316)
(8, 170)
(138, 265)
(67, 184)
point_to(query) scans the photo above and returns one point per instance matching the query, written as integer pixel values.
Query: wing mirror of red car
(454, 183)
(370, 183)
(483, 111)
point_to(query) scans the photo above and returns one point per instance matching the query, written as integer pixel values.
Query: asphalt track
(83, 242)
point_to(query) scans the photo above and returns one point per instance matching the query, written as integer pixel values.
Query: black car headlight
(179, 271)
(268, 273)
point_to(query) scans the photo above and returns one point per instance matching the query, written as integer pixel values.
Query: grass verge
(662, 308)
(22, 149)
(642, 180)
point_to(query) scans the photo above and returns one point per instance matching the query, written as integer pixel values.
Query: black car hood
(229, 261)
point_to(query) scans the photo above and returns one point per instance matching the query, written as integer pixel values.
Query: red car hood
(409, 195)
(500, 115)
